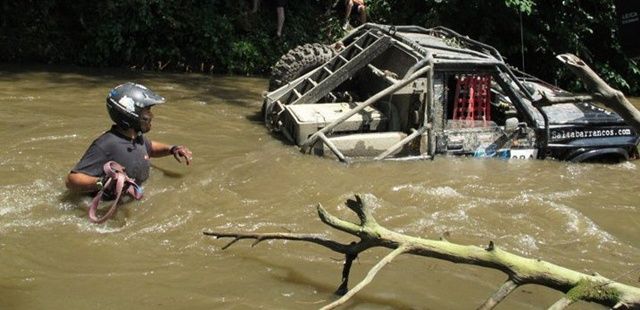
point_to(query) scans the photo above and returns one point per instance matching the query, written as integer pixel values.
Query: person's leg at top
(347, 13)
(280, 12)
(280, 4)
(362, 13)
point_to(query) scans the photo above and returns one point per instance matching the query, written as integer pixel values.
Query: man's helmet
(126, 101)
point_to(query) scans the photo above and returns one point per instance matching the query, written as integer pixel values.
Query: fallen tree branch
(372, 273)
(519, 270)
(561, 304)
(502, 292)
(333, 245)
(601, 91)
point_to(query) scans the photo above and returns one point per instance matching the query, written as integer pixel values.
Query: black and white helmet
(126, 101)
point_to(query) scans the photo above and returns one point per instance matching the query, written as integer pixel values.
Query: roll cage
(392, 86)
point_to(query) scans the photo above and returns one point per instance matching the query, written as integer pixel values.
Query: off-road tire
(297, 62)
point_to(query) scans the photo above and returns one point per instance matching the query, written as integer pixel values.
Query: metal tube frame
(373, 99)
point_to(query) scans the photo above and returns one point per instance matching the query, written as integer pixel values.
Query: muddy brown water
(154, 255)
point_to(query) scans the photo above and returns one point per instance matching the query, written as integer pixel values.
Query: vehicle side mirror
(511, 124)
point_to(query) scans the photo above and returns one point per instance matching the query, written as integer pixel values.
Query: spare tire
(297, 62)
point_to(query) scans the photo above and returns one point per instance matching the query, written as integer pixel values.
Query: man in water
(129, 107)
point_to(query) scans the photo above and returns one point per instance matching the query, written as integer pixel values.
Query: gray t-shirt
(133, 155)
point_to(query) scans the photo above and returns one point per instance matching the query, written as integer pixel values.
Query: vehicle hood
(581, 114)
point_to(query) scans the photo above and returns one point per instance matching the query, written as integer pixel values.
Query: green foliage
(223, 36)
(524, 6)
(586, 28)
(192, 35)
(587, 290)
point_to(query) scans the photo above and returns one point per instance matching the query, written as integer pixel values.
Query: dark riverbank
(223, 36)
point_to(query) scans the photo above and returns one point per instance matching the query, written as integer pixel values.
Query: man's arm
(84, 177)
(159, 149)
(82, 183)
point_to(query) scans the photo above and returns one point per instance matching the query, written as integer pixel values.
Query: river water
(153, 255)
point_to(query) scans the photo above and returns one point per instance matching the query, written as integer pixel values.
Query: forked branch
(372, 273)
(502, 292)
(519, 270)
(601, 91)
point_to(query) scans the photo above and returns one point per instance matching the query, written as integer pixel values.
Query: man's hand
(181, 151)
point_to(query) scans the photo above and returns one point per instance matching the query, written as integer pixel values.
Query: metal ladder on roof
(341, 67)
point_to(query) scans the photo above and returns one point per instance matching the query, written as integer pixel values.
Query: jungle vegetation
(223, 36)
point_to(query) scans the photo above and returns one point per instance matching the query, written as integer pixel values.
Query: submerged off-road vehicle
(406, 92)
